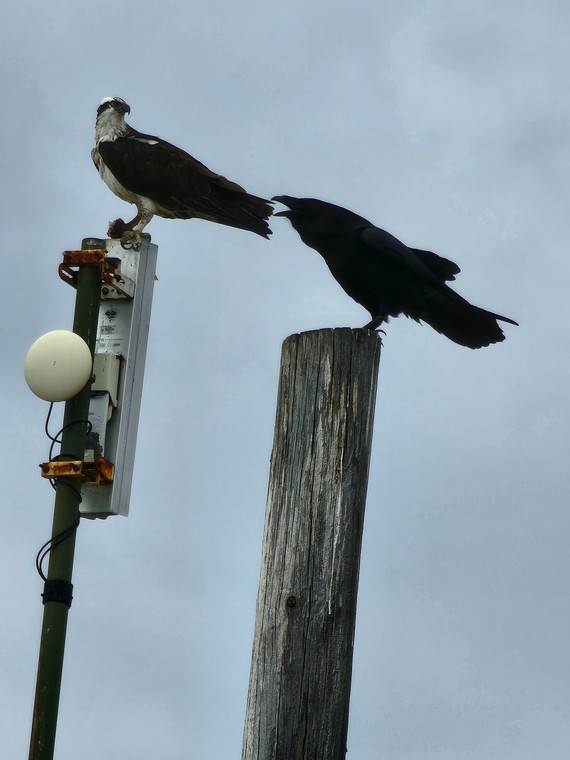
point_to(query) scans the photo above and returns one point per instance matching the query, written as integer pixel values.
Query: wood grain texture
(302, 653)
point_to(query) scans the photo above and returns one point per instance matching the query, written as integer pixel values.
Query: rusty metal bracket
(90, 473)
(73, 260)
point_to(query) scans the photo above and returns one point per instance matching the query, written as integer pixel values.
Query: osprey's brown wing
(182, 186)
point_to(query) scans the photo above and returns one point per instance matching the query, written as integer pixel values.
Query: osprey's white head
(110, 122)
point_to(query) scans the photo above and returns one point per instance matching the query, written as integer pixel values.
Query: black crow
(386, 276)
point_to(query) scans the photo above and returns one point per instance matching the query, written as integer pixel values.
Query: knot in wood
(291, 601)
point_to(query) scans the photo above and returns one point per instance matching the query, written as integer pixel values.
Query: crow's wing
(439, 265)
(442, 308)
(426, 265)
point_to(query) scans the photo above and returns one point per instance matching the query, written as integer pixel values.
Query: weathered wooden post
(299, 688)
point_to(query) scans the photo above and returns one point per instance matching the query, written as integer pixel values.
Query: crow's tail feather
(457, 319)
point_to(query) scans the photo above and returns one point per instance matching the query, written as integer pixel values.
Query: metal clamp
(73, 260)
(94, 473)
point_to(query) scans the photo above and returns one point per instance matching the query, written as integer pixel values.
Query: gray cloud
(446, 124)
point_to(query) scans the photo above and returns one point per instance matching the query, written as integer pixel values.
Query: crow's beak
(286, 200)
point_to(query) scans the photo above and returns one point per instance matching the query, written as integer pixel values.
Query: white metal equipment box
(120, 353)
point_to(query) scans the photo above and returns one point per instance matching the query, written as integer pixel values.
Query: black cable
(57, 439)
(60, 537)
(51, 544)
(47, 424)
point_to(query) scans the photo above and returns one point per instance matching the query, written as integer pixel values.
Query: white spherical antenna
(58, 365)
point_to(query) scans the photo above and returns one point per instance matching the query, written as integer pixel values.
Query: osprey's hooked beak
(117, 104)
(123, 108)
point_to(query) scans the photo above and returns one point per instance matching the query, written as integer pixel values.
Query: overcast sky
(445, 123)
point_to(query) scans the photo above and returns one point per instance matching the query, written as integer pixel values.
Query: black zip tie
(58, 590)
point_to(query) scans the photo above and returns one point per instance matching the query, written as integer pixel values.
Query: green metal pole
(66, 515)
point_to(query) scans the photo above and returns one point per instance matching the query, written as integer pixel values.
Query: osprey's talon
(131, 239)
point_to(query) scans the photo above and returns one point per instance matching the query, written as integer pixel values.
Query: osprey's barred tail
(231, 205)
(251, 215)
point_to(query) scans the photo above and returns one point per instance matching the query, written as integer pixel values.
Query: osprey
(161, 179)
(386, 276)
